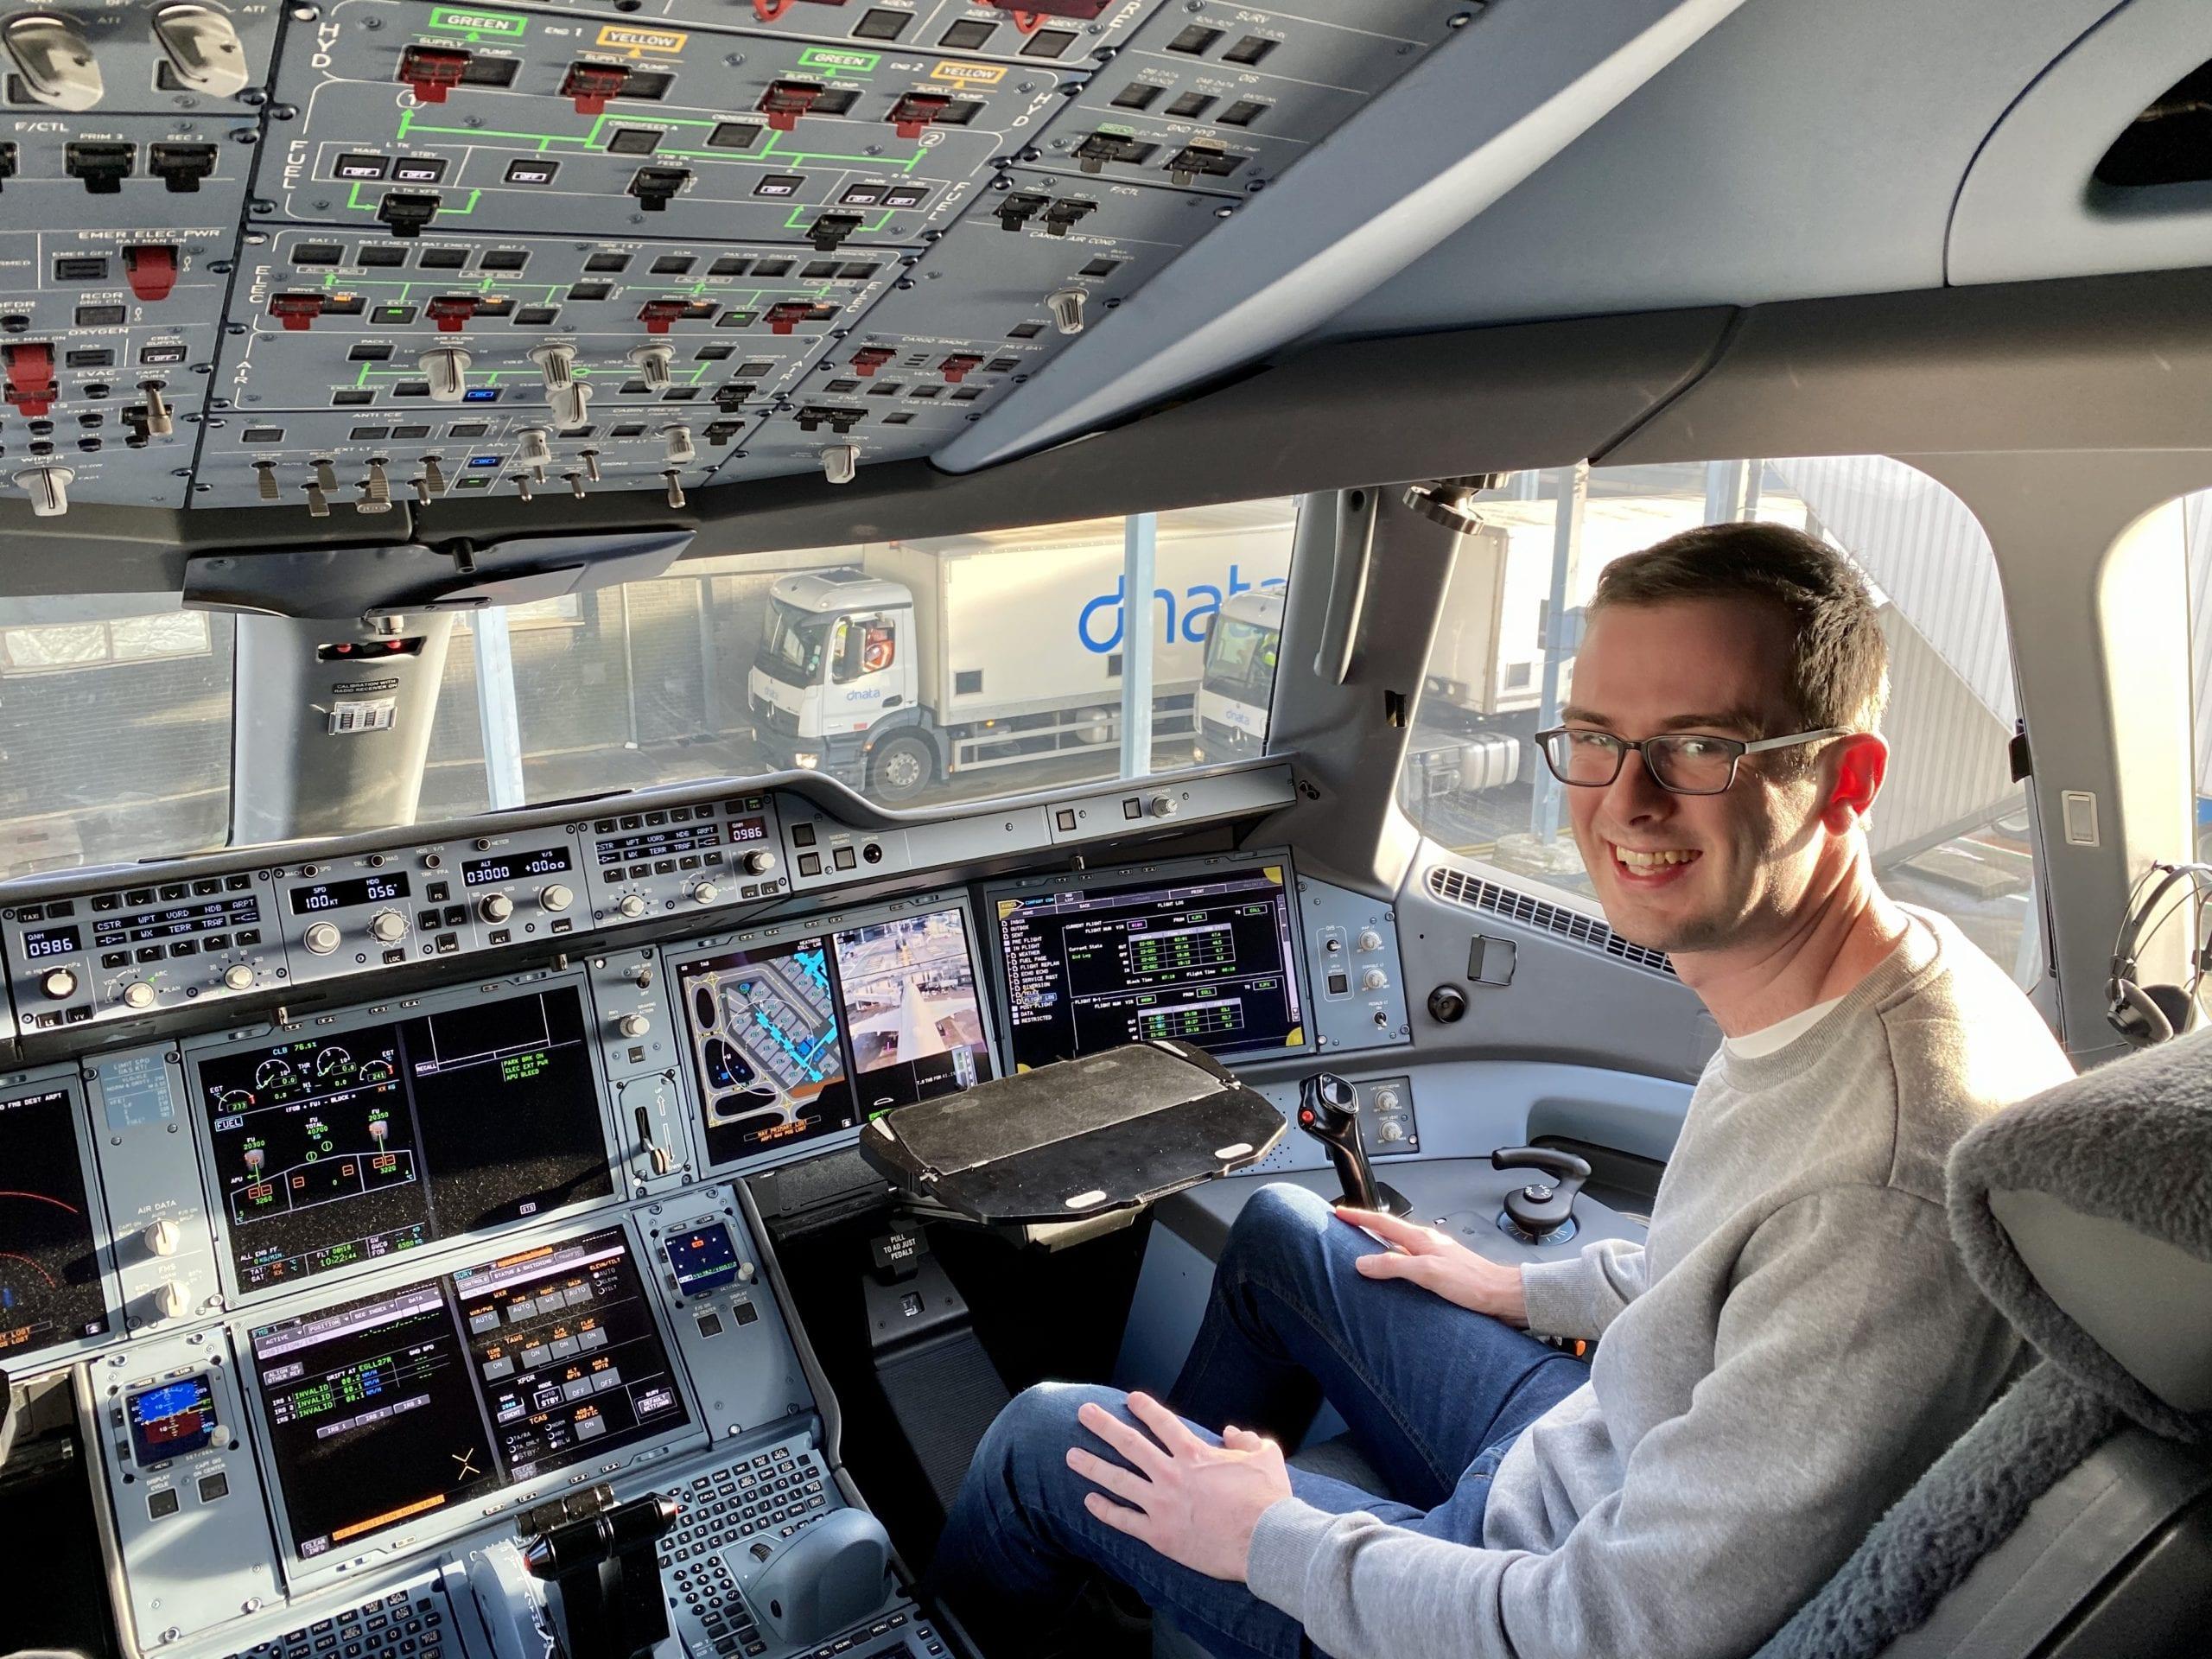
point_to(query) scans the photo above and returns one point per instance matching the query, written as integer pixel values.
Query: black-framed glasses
(1685, 763)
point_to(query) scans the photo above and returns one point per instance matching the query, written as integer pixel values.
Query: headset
(2147, 1015)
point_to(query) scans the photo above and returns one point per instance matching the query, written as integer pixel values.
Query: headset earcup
(2136, 1016)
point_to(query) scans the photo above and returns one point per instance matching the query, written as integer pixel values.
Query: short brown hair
(1839, 662)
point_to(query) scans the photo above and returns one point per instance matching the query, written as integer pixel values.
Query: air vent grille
(1458, 888)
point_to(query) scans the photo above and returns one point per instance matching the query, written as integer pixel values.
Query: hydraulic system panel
(1066, 32)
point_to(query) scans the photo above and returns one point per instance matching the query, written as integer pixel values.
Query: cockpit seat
(2073, 1521)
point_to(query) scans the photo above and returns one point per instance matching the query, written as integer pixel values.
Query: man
(1792, 1346)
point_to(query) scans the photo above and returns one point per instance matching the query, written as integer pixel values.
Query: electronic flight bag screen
(399, 1405)
(796, 1039)
(1206, 958)
(341, 1148)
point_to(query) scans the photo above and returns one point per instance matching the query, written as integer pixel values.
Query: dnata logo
(1200, 601)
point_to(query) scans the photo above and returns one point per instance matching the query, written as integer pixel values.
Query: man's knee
(1026, 1445)
(1280, 1224)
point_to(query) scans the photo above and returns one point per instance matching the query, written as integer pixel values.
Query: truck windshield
(1241, 660)
(792, 646)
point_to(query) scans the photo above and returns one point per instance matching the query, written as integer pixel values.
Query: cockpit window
(1951, 831)
(2196, 520)
(947, 668)
(115, 730)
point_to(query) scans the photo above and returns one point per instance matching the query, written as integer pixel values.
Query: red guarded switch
(588, 85)
(297, 312)
(771, 11)
(786, 314)
(431, 71)
(959, 366)
(31, 378)
(869, 359)
(150, 268)
(659, 315)
(451, 312)
(1028, 13)
(786, 100)
(915, 110)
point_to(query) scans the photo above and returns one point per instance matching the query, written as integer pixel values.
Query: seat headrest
(2085, 1214)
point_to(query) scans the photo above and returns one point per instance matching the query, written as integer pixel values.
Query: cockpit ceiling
(378, 268)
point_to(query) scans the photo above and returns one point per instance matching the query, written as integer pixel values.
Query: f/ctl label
(640, 40)
(850, 63)
(500, 25)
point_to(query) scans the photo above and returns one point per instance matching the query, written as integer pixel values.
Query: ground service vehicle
(610, 614)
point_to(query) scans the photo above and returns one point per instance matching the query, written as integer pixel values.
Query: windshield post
(1140, 543)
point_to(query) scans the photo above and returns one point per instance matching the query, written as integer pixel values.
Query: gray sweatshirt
(1796, 1342)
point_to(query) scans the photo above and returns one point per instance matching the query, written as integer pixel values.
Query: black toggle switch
(406, 212)
(655, 185)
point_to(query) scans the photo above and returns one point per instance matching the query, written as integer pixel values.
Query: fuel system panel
(1057, 31)
(420, 118)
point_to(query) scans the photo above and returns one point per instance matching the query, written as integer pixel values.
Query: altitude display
(338, 1149)
(805, 1037)
(395, 1406)
(50, 1288)
(1206, 961)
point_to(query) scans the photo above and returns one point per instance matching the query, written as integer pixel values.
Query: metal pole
(629, 667)
(496, 713)
(1573, 488)
(1725, 488)
(1139, 538)
(710, 684)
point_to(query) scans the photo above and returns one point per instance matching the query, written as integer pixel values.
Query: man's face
(1736, 865)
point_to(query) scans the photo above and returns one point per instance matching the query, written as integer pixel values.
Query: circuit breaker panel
(361, 256)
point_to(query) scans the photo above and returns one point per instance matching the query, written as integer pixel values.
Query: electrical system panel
(368, 256)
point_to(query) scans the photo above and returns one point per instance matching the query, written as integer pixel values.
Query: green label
(856, 63)
(503, 24)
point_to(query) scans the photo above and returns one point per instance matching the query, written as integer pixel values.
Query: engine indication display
(515, 867)
(341, 895)
(50, 1288)
(334, 1150)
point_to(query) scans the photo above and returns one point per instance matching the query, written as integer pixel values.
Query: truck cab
(835, 668)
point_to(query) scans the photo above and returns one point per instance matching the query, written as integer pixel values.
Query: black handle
(1328, 1110)
(1540, 1207)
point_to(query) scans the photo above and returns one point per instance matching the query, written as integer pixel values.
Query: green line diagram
(774, 150)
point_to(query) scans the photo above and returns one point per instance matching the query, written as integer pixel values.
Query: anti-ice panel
(1008, 31)
(186, 54)
(353, 458)
(99, 171)
(348, 318)
(1223, 98)
(548, 125)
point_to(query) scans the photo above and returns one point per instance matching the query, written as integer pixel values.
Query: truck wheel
(901, 769)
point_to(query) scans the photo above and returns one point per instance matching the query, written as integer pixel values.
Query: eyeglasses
(1683, 763)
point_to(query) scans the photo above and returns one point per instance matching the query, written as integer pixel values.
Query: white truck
(930, 659)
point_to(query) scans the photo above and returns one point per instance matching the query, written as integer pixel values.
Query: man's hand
(1436, 1262)
(1194, 1501)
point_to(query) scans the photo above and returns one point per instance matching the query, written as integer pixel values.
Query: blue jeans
(1434, 1396)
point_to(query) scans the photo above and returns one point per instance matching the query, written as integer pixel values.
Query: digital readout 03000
(515, 867)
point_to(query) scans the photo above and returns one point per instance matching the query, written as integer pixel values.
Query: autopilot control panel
(450, 1211)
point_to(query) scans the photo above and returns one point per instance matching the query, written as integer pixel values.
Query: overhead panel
(1064, 33)
(1040, 259)
(120, 57)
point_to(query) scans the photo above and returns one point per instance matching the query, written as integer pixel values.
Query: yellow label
(970, 75)
(1008, 906)
(620, 39)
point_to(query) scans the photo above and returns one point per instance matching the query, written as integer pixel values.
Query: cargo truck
(929, 659)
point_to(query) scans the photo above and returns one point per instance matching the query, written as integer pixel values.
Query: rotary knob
(321, 937)
(557, 897)
(387, 927)
(1386, 1100)
(705, 893)
(630, 905)
(170, 1301)
(1163, 806)
(1390, 1131)
(634, 1025)
(162, 1238)
(495, 907)
(746, 1273)
(139, 995)
(60, 984)
(1369, 939)
(760, 863)
(1373, 979)
(238, 977)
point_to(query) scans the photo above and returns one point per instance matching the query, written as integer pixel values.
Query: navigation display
(50, 1288)
(395, 1406)
(1207, 959)
(799, 1038)
(333, 1150)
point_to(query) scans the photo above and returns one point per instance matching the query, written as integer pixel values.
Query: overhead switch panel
(202, 48)
(54, 62)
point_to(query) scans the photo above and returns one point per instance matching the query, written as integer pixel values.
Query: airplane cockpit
(872, 657)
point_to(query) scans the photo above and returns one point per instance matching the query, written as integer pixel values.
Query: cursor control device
(1328, 1110)
(1542, 1210)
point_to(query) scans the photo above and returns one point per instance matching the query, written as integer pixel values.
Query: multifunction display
(1208, 960)
(50, 1288)
(341, 895)
(396, 1406)
(332, 1150)
(799, 1038)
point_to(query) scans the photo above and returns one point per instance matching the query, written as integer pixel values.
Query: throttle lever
(1541, 1208)
(1328, 1110)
